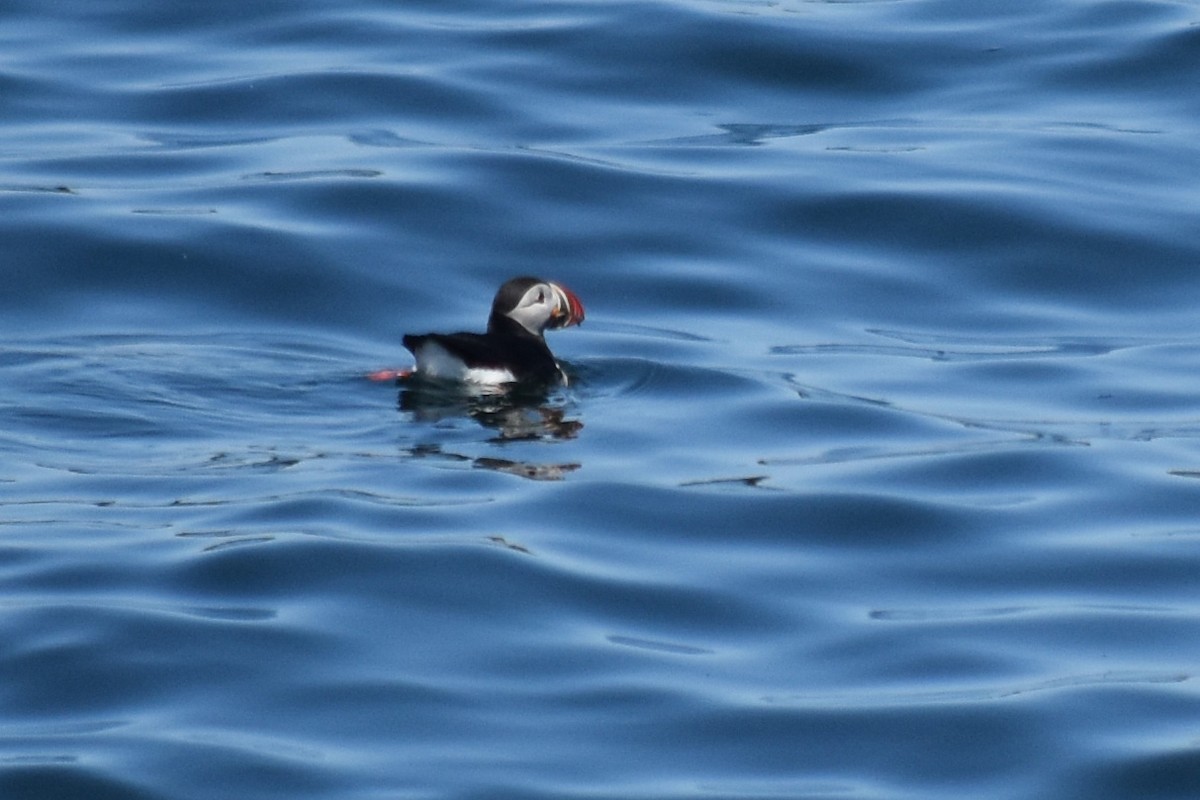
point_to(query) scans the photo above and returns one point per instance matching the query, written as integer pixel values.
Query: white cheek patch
(434, 361)
(532, 313)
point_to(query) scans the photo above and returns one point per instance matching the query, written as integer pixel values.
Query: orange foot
(389, 374)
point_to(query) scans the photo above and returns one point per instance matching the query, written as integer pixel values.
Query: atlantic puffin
(514, 349)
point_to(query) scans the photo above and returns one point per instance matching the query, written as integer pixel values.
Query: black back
(506, 345)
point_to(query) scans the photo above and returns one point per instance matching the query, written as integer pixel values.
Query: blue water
(878, 476)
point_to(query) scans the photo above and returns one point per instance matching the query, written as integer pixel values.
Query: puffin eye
(541, 296)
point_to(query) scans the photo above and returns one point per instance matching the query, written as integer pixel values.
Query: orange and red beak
(568, 310)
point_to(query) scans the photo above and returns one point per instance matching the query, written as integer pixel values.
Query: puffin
(514, 348)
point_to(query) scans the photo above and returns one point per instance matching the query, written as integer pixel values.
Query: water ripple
(875, 475)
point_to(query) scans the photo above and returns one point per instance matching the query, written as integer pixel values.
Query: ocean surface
(878, 474)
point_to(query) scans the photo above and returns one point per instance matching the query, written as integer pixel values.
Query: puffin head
(536, 304)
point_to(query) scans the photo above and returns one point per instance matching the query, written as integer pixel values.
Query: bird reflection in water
(516, 414)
